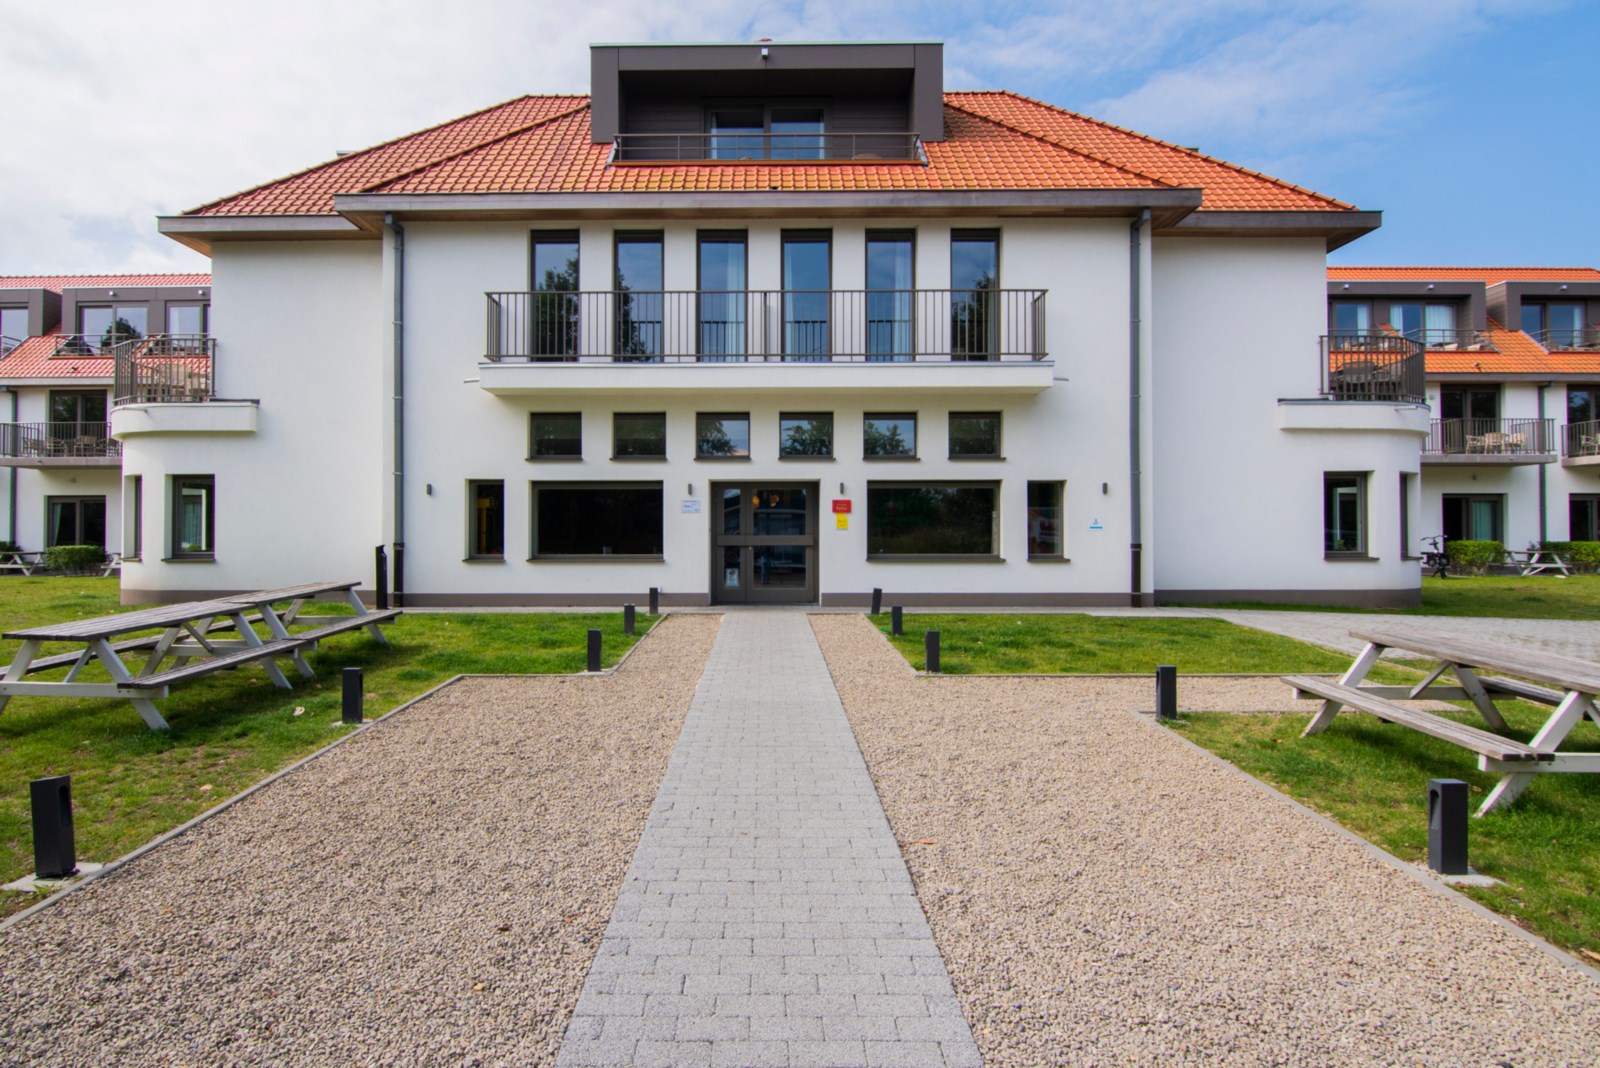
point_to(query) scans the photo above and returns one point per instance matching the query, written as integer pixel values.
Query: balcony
(162, 369)
(896, 147)
(1495, 442)
(865, 340)
(58, 444)
(1454, 340)
(1580, 444)
(1372, 367)
(1582, 339)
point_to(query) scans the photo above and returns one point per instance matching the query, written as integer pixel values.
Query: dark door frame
(748, 593)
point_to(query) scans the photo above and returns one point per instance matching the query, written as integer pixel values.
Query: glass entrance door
(764, 543)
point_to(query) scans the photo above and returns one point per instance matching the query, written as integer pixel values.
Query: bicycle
(1435, 560)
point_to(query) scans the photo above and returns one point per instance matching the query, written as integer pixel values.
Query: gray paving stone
(768, 917)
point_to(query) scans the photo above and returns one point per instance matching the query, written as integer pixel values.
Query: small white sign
(691, 507)
(1094, 524)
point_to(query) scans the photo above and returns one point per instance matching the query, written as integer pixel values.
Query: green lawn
(1002, 644)
(232, 728)
(1373, 779)
(1535, 597)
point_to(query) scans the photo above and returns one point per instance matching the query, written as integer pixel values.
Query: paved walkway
(768, 917)
(1570, 637)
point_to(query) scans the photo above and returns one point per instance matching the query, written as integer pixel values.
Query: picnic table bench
(26, 561)
(1567, 684)
(1533, 561)
(196, 631)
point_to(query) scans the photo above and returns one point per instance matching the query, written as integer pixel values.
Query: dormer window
(768, 131)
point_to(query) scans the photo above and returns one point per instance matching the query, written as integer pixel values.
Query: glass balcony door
(891, 285)
(974, 281)
(554, 314)
(722, 322)
(807, 279)
(639, 333)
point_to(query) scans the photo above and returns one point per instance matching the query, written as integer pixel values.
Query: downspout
(398, 566)
(1544, 532)
(11, 494)
(1135, 352)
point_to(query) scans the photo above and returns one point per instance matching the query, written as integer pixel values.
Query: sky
(1469, 123)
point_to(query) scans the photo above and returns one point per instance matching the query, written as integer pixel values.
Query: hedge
(1584, 556)
(1475, 557)
(74, 559)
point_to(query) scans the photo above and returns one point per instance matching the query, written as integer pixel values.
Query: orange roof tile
(57, 282)
(1518, 354)
(1487, 275)
(32, 359)
(996, 141)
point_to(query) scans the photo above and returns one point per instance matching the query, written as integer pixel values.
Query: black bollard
(55, 854)
(1166, 692)
(877, 600)
(355, 694)
(655, 601)
(897, 622)
(594, 650)
(381, 576)
(1447, 826)
(627, 619)
(930, 649)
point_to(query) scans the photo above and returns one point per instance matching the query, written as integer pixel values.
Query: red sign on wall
(841, 506)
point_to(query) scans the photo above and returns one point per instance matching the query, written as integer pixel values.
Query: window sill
(598, 558)
(188, 559)
(890, 459)
(132, 560)
(1049, 559)
(1349, 558)
(803, 459)
(1411, 558)
(934, 558)
(640, 459)
(555, 459)
(483, 559)
(976, 459)
(722, 459)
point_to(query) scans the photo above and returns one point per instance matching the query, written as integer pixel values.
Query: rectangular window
(722, 435)
(641, 435)
(13, 328)
(974, 285)
(931, 519)
(193, 517)
(736, 133)
(975, 435)
(805, 434)
(1344, 514)
(553, 315)
(892, 434)
(597, 519)
(1046, 520)
(1583, 516)
(1432, 324)
(1583, 403)
(796, 133)
(891, 285)
(639, 332)
(103, 325)
(807, 278)
(555, 435)
(1350, 319)
(1473, 517)
(486, 519)
(1407, 480)
(78, 422)
(76, 521)
(133, 517)
(188, 319)
(722, 295)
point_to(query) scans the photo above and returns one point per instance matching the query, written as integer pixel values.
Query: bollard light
(1447, 826)
(380, 581)
(55, 854)
(355, 694)
(627, 619)
(877, 600)
(594, 650)
(930, 650)
(1166, 692)
(655, 600)
(897, 622)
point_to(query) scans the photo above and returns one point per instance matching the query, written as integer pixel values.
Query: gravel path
(1104, 894)
(431, 892)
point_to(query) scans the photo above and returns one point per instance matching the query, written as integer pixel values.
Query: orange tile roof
(32, 359)
(57, 282)
(996, 141)
(1487, 275)
(1518, 354)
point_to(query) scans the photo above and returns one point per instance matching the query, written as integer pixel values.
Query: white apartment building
(775, 323)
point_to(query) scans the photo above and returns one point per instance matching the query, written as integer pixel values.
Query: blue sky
(1470, 123)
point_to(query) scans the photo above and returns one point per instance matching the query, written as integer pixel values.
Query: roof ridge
(393, 178)
(1053, 143)
(357, 153)
(1175, 147)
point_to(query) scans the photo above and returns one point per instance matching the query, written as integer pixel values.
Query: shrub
(1584, 556)
(1476, 557)
(74, 559)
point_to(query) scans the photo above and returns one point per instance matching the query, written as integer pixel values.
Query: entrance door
(764, 542)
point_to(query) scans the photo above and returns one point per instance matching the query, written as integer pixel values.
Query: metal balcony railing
(163, 369)
(58, 441)
(1457, 340)
(896, 146)
(1581, 439)
(1561, 340)
(1490, 437)
(800, 326)
(1372, 367)
(8, 343)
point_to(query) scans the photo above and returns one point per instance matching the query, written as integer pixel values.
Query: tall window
(1474, 516)
(807, 279)
(1344, 514)
(805, 434)
(553, 317)
(639, 329)
(891, 281)
(104, 325)
(1046, 520)
(193, 516)
(1407, 480)
(76, 521)
(597, 519)
(722, 295)
(974, 284)
(133, 517)
(931, 519)
(486, 519)
(1583, 514)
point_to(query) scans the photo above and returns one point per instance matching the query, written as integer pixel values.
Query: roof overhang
(1337, 228)
(198, 231)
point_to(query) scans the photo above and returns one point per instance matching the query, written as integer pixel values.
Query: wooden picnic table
(1567, 684)
(196, 631)
(26, 561)
(1533, 561)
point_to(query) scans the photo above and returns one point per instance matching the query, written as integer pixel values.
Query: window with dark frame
(486, 519)
(974, 294)
(1473, 516)
(1405, 514)
(891, 293)
(133, 537)
(1046, 521)
(721, 321)
(639, 435)
(105, 325)
(555, 435)
(932, 519)
(805, 434)
(889, 435)
(1583, 515)
(597, 519)
(1344, 514)
(13, 328)
(722, 436)
(639, 334)
(807, 265)
(193, 517)
(188, 320)
(975, 435)
(75, 521)
(785, 131)
(553, 312)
